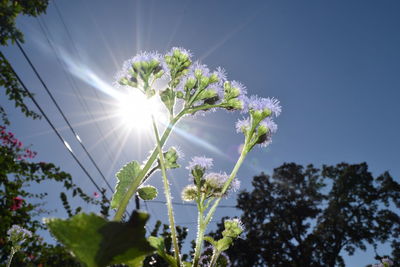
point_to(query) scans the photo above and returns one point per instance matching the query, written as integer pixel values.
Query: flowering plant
(191, 88)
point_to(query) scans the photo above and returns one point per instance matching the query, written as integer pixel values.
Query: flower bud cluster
(171, 158)
(234, 95)
(208, 185)
(233, 228)
(178, 62)
(200, 88)
(259, 126)
(141, 71)
(17, 235)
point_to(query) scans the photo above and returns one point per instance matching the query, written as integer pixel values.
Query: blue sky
(334, 65)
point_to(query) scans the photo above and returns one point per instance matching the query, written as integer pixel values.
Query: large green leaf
(98, 242)
(125, 176)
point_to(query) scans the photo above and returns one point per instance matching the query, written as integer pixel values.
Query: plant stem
(227, 183)
(214, 258)
(200, 234)
(136, 182)
(167, 192)
(11, 257)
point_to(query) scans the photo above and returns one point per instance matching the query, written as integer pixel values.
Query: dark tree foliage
(9, 10)
(19, 206)
(304, 216)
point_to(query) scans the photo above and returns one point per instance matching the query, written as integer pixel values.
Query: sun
(135, 111)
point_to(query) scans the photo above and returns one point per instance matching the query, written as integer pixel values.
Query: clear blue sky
(334, 65)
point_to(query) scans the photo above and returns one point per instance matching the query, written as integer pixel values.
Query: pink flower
(17, 203)
(95, 194)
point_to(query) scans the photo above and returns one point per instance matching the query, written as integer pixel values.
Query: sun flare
(135, 111)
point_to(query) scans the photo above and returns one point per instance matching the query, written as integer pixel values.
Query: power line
(188, 204)
(51, 125)
(63, 115)
(78, 54)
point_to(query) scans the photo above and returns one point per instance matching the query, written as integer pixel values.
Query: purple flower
(270, 124)
(216, 182)
(146, 57)
(259, 104)
(140, 57)
(18, 234)
(221, 74)
(243, 124)
(197, 67)
(241, 87)
(181, 50)
(217, 88)
(202, 162)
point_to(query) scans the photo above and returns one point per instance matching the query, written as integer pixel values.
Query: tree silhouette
(304, 216)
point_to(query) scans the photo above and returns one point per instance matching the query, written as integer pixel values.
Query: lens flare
(135, 111)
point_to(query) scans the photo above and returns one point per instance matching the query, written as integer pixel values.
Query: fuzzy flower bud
(137, 71)
(200, 162)
(214, 183)
(198, 166)
(171, 157)
(263, 107)
(177, 62)
(233, 228)
(234, 95)
(189, 193)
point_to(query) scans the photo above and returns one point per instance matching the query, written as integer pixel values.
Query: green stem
(201, 227)
(214, 258)
(167, 192)
(136, 182)
(227, 183)
(11, 257)
(203, 222)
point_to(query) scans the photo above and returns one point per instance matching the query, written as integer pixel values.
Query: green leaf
(158, 243)
(98, 242)
(168, 98)
(125, 176)
(147, 192)
(210, 240)
(224, 243)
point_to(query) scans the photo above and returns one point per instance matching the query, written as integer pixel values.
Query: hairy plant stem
(214, 258)
(203, 222)
(201, 227)
(167, 192)
(11, 257)
(136, 182)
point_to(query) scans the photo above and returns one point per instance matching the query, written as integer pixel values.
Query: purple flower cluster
(182, 50)
(201, 162)
(260, 104)
(217, 181)
(197, 69)
(127, 69)
(18, 234)
(242, 125)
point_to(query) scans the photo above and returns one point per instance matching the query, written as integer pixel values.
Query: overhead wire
(61, 111)
(69, 35)
(52, 126)
(187, 204)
